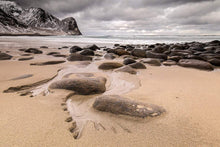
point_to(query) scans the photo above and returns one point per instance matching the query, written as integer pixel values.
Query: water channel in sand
(80, 107)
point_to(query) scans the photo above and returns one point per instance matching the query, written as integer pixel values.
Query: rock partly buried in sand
(127, 69)
(83, 86)
(23, 77)
(44, 47)
(110, 56)
(33, 50)
(48, 63)
(193, 63)
(150, 54)
(24, 59)
(138, 65)
(87, 52)
(121, 52)
(53, 53)
(139, 53)
(78, 57)
(128, 61)
(110, 65)
(169, 63)
(214, 61)
(75, 49)
(152, 61)
(118, 105)
(4, 56)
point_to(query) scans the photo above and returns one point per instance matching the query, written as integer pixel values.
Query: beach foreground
(189, 96)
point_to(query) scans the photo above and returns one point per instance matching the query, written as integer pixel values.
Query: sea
(109, 39)
(135, 39)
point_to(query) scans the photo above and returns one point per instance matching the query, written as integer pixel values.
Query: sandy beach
(189, 96)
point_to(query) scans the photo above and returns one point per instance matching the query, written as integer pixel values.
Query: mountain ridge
(15, 21)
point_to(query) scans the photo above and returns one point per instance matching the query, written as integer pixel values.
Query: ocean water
(120, 39)
(136, 39)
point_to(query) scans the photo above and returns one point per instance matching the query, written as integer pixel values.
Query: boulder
(193, 63)
(45, 47)
(214, 61)
(83, 86)
(24, 59)
(78, 57)
(127, 69)
(169, 63)
(48, 63)
(120, 52)
(87, 52)
(74, 49)
(139, 53)
(175, 58)
(53, 53)
(150, 54)
(110, 65)
(93, 47)
(122, 106)
(33, 50)
(138, 65)
(4, 56)
(128, 61)
(110, 56)
(152, 61)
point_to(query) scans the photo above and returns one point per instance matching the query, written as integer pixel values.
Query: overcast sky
(164, 17)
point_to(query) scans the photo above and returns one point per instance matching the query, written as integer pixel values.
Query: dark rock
(59, 55)
(214, 61)
(33, 50)
(65, 47)
(48, 63)
(78, 57)
(69, 119)
(44, 47)
(120, 52)
(152, 61)
(110, 56)
(128, 61)
(110, 65)
(193, 63)
(22, 49)
(127, 69)
(4, 56)
(160, 49)
(150, 54)
(139, 53)
(118, 105)
(74, 49)
(93, 47)
(83, 86)
(169, 63)
(24, 59)
(137, 65)
(175, 58)
(87, 52)
(53, 53)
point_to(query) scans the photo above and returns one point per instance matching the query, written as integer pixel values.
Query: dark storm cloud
(137, 16)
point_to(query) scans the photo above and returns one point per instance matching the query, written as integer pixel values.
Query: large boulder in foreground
(83, 86)
(118, 105)
(110, 65)
(4, 56)
(78, 57)
(193, 63)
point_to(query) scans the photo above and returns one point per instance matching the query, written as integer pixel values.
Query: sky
(137, 17)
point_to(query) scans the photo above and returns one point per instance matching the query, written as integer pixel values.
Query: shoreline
(190, 97)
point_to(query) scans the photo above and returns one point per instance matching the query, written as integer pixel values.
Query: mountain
(14, 20)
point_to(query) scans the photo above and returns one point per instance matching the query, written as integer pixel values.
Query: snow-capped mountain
(15, 20)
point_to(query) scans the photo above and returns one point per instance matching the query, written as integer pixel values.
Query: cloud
(139, 16)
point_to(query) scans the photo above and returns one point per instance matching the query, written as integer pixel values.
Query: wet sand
(190, 97)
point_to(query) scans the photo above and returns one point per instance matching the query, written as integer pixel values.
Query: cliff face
(15, 20)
